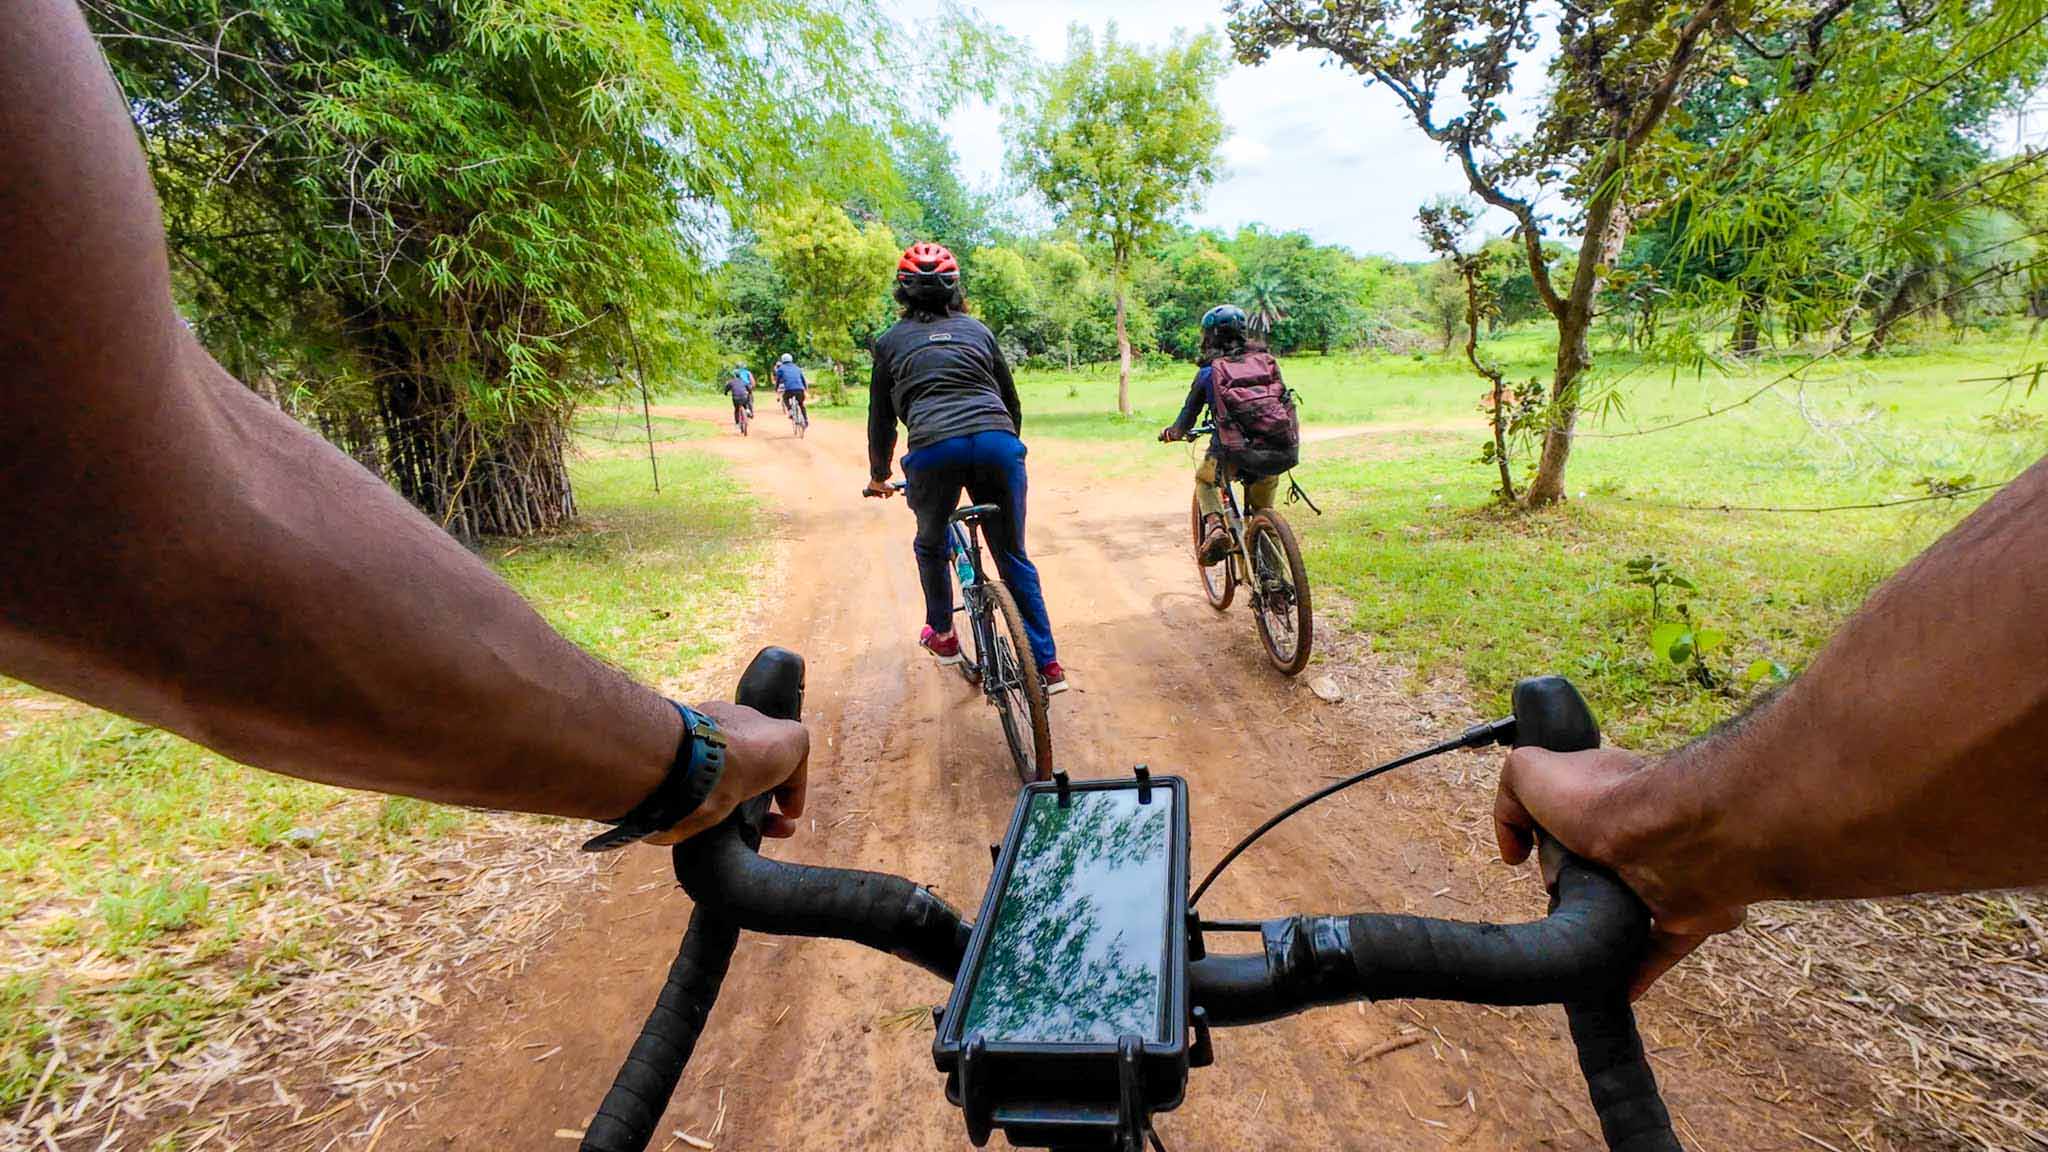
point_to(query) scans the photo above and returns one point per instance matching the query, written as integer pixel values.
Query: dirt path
(821, 1045)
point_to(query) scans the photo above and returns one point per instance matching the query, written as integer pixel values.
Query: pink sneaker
(946, 648)
(1053, 677)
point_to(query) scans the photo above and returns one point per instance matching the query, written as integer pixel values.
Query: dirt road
(821, 1045)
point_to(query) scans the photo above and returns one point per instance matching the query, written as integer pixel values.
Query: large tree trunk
(472, 481)
(1748, 325)
(1605, 231)
(1895, 310)
(1123, 351)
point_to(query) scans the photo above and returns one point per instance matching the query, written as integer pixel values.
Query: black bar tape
(1592, 940)
(640, 1094)
(1582, 955)
(886, 913)
(1624, 1090)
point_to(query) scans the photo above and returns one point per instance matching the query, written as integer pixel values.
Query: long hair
(927, 306)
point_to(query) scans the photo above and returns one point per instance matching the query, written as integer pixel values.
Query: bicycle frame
(1233, 522)
(965, 536)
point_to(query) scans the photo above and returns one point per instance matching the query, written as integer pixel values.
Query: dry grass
(341, 1025)
(1935, 1009)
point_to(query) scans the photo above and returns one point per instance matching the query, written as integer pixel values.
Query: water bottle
(963, 568)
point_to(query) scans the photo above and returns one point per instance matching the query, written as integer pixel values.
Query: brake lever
(1550, 714)
(772, 685)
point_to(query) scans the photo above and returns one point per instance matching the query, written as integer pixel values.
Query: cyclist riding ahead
(939, 372)
(1256, 431)
(790, 386)
(740, 386)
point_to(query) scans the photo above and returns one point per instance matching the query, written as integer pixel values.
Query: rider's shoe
(1216, 544)
(946, 648)
(1053, 677)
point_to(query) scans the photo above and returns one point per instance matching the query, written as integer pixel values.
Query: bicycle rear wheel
(1280, 592)
(1015, 689)
(1219, 580)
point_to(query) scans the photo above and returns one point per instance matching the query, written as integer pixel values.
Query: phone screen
(1078, 950)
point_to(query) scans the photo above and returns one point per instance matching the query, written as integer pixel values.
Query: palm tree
(1265, 302)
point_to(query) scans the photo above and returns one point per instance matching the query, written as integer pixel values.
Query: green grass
(1444, 581)
(1416, 551)
(161, 864)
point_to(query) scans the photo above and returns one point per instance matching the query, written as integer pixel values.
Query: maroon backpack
(1256, 425)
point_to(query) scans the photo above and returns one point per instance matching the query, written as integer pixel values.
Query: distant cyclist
(940, 372)
(791, 386)
(1256, 429)
(740, 386)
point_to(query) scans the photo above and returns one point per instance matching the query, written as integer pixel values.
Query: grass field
(1445, 583)
(148, 888)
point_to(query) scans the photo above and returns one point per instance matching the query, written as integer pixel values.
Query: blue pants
(990, 466)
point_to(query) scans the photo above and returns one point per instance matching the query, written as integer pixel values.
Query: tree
(1444, 303)
(433, 229)
(946, 211)
(1002, 291)
(1066, 285)
(1445, 224)
(1618, 70)
(1120, 141)
(837, 277)
(1190, 277)
(1265, 302)
(1810, 184)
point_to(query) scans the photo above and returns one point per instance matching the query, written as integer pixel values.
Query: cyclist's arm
(1007, 386)
(1191, 408)
(881, 420)
(180, 551)
(1908, 758)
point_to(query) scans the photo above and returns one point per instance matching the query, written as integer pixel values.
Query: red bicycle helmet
(926, 265)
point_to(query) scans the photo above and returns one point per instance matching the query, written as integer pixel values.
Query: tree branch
(1456, 135)
(1808, 69)
(1674, 75)
(1524, 214)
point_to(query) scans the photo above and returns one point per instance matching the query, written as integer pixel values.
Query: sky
(1311, 147)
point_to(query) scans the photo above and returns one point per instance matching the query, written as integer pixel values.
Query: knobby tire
(1271, 540)
(1223, 573)
(1028, 693)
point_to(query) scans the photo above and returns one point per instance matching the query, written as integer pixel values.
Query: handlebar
(1581, 955)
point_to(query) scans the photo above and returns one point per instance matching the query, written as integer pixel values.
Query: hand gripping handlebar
(1582, 955)
(736, 888)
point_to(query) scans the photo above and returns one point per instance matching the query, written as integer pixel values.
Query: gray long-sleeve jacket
(942, 379)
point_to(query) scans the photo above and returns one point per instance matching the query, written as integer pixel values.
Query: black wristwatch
(699, 762)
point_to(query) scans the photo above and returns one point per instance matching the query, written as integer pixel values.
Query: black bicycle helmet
(1224, 318)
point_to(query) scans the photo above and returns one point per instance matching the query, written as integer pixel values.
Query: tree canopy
(1120, 141)
(432, 229)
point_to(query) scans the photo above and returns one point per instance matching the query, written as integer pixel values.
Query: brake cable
(1477, 736)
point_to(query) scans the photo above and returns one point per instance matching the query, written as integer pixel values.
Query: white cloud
(1311, 147)
(1241, 152)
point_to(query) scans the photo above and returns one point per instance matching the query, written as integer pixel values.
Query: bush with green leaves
(433, 229)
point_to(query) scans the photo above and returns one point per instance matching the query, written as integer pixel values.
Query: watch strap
(698, 766)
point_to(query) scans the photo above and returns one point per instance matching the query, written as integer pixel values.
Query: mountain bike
(1265, 559)
(799, 412)
(997, 654)
(741, 414)
(1086, 991)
